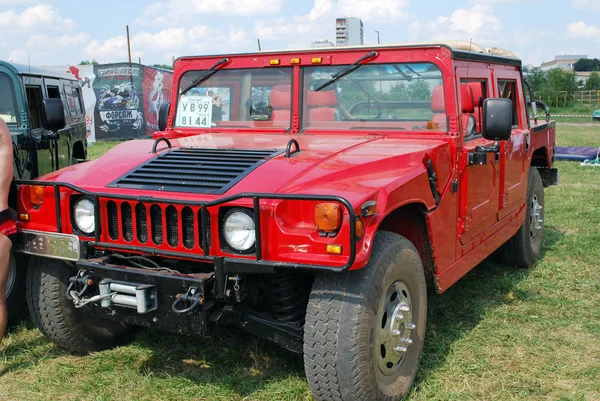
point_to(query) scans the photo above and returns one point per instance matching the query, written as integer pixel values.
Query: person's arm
(6, 164)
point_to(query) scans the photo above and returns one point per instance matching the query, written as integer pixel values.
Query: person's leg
(5, 247)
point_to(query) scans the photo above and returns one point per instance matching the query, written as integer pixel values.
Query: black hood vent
(201, 171)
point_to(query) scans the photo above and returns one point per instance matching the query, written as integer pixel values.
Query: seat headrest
(437, 100)
(477, 88)
(321, 99)
(281, 97)
(466, 95)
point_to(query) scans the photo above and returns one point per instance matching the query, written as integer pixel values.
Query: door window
(34, 105)
(74, 100)
(53, 92)
(8, 111)
(507, 90)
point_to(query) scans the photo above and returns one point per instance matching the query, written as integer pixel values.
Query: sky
(66, 32)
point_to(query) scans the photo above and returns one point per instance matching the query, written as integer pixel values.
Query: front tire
(56, 316)
(523, 249)
(365, 329)
(16, 304)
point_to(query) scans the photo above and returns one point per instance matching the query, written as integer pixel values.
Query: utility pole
(377, 35)
(258, 40)
(128, 43)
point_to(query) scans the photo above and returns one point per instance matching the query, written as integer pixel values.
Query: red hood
(353, 167)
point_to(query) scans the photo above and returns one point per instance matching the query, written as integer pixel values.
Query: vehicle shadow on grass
(230, 358)
(457, 311)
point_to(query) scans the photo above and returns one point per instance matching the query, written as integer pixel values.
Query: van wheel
(15, 288)
(523, 249)
(365, 329)
(56, 316)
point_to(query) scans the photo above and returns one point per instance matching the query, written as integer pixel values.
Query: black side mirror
(497, 119)
(163, 115)
(53, 115)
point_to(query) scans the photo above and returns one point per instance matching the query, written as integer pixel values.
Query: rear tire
(523, 249)
(56, 316)
(365, 329)
(16, 303)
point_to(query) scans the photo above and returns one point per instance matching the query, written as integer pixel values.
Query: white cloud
(581, 30)
(374, 11)
(40, 47)
(180, 11)
(587, 4)
(477, 23)
(36, 19)
(15, 2)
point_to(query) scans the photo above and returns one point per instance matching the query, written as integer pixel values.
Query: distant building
(565, 61)
(321, 43)
(348, 31)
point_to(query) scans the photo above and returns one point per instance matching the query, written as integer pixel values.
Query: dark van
(32, 103)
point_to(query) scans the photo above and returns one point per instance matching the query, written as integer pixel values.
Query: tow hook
(190, 300)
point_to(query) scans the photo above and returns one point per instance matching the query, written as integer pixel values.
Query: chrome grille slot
(172, 227)
(156, 224)
(113, 220)
(126, 221)
(141, 223)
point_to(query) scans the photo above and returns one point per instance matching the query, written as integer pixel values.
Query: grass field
(498, 334)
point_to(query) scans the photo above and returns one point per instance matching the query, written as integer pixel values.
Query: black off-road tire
(56, 316)
(523, 249)
(15, 288)
(342, 322)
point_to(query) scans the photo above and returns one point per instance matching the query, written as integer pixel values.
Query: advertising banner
(157, 88)
(119, 110)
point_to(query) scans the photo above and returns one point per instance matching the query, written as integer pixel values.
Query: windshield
(7, 102)
(238, 98)
(375, 96)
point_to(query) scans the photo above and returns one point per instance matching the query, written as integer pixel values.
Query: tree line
(548, 85)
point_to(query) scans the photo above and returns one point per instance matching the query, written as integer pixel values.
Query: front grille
(207, 171)
(156, 225)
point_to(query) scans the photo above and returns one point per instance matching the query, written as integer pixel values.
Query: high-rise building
(348, 31)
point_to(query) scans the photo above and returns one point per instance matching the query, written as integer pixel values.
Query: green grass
(498, 334)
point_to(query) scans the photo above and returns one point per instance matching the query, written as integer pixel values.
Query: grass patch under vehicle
(498, 334)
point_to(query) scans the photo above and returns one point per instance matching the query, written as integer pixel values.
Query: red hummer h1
(307, 196)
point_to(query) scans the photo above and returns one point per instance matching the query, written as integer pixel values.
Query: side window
(53, 92)
(473, 93)
(34, 105)
(8, 111)
(74, 101)
(508, 90)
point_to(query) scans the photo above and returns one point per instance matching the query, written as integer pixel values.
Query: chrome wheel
(394, 327)
(12, 275)
(536, 218)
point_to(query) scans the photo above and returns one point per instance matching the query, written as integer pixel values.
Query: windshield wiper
(209, 73)
(348, 69)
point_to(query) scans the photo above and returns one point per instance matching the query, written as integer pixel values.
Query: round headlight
(83, 214)
(238, 230)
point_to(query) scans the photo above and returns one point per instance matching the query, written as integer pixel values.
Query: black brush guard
(223, 265)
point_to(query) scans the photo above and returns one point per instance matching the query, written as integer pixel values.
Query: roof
(459, 49)
(24, 69)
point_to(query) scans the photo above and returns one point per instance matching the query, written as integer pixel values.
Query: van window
(74, 100)
(53, 92)
(34, 105)
(8, 111)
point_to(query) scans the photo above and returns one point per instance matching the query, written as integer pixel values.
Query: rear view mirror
(53, 115)
(497, 119)
(163, 115)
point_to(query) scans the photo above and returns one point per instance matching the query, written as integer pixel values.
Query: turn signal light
(334, 249)
(328, 217)
(36, 194)
(274, 61)
(317, 60)
(359, 229)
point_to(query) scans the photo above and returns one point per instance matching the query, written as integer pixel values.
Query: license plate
(50, 245)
